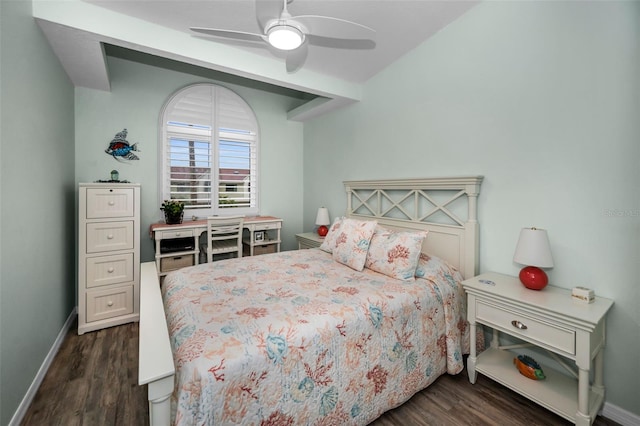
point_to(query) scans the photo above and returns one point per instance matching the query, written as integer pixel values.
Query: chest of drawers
(108, 255)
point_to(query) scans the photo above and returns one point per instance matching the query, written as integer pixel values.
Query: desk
(192, 229)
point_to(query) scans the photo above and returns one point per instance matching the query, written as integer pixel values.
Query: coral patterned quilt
(297, 338)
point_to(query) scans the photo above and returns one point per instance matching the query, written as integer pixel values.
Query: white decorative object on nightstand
(309, 240)
(108, 255)
(548, 319)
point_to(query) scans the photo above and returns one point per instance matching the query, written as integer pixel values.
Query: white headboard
(446, 207)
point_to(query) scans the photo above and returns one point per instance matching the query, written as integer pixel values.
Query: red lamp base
(533, 278)
(323, 230)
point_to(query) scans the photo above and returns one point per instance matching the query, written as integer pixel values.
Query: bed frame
(446, 207)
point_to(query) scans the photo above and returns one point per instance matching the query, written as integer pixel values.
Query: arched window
(209, 152)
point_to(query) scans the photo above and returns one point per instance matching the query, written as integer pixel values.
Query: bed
(321, 336)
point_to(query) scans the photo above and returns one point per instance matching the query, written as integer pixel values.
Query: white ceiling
(78, 30)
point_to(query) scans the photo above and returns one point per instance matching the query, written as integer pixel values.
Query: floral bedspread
(297, 338)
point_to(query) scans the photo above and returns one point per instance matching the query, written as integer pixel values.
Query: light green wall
(543, 99)
(138, 92)
(37, 231)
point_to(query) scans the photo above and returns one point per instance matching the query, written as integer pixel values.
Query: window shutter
(237, 152)
(195, 107)
(209, 151)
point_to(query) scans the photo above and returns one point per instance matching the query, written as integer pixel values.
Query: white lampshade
(322, 218)
(285, 37)
(533, 248)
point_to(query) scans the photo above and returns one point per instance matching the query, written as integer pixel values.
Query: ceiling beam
(77, 31)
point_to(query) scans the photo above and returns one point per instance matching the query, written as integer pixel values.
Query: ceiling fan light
(285, 37)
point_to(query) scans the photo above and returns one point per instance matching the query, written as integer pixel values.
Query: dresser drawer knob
(110, 270)
(518, 324)
(177, 234)
(110, 237)
(111, 203)
(110, 303)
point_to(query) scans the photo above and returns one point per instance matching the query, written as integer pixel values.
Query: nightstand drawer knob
(518, 324)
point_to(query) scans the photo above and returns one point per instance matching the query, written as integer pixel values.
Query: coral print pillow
(352, 242)
(435, 269)
(395, 254)
(329, 242)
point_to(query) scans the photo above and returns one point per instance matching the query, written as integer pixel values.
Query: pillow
(352, 242)
(435, 269)
(330, 239)
(395, 253)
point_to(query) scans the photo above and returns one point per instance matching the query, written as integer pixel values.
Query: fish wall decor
(120, 149)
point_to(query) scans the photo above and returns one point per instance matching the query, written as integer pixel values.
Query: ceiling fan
(293, 34)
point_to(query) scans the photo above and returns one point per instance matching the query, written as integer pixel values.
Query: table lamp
(322, 220)
(534, 251)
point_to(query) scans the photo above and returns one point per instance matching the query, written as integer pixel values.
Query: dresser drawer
(109, 303)
(106, 270)
(109, 236)
(527, 327)
(109, 202)
(178, 233)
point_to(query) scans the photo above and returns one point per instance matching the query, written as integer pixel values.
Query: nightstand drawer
(305, 244)
(526, 327)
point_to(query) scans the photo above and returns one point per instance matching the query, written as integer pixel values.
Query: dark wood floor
(93, 381)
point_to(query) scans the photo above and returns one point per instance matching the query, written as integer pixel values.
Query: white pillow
(352, 242)
(329, 242)
(395, 253)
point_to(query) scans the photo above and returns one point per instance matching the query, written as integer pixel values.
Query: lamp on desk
(534, 251)
(322, 220)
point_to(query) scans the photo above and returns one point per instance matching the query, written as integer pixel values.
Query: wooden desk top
(202, 223)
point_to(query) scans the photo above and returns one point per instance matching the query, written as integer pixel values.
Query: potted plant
(173, 211)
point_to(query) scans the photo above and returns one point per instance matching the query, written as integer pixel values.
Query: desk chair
(224, 235)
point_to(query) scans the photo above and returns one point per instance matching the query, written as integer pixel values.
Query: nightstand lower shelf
(557, 392)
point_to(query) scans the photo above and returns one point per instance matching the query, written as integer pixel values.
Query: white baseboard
(37, 381)
(619, 415)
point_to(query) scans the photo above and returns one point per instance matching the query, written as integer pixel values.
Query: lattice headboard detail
(446, 207)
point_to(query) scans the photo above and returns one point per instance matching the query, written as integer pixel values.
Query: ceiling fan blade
(325, 26)
(296, 58)
(338, 43)
(266, 10)
(236, 35)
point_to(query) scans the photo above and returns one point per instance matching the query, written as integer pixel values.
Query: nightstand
(309, 240)
(548, 319)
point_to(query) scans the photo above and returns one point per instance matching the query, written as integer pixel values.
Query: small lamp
(534, 251)
(322, 220)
